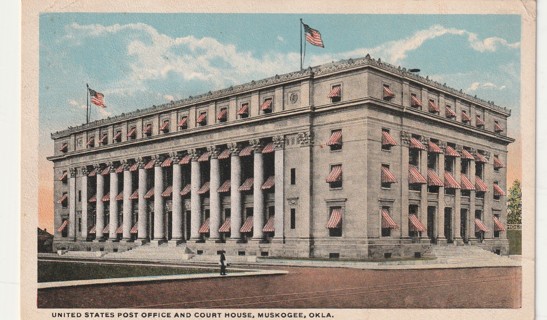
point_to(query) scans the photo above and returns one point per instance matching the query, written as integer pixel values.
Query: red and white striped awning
(117, 136)
(270, 225)
(186, 190)
(335, 138)
(64, 147)
(450, 182)
(480, 158)
(147, 129)
(388, 94)
(479, 226)
(336, 91)
(497, 127)
(204, 188)
(164, 125)
(335, 174)
(225, 187)
(167, 163)
(120, 229)
(498, 191)
(204, 227)
(387, 139)
(497, 163)
(183, 122)
(247, 151)
(433, 179)
(450, 152)
(222, 114)
(119, 169)
(387, 176)
(63, 176)
(93, 198)
(202, 118)
(269, 148)
(106, 197)
(266, 105)
(135, 229)
(105, 171)
(93, 230)
(387, 221)
(225, 154)
(134, 195)
(414, 176)
(449, 112)
(498, 226)
(479, 121)
(415, 223)
(416, 144)
(103, 138)
(107, 228)
(335, 219)
(414, 102)
(433, 147)
(62, 226)
(433, 107)
(465, 116)
(269, 183)
(467, 155)
(247, 225)
(480, 185)
(185, 160)
(134, 167)
(225, 227)
(149, 194)
(132, 132)
(247, 185)
(90, 141)
(244, 110)
(119, 197)
(204, 157)
(167, 192)
(150, 164)
(466, 183)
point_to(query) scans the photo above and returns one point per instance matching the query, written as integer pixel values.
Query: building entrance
(448, 225)
(431, 230)
(463, 225)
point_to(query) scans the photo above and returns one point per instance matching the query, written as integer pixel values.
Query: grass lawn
(65, 271)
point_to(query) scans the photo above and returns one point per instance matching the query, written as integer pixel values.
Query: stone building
(351, 159)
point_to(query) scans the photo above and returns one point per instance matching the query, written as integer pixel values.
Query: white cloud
(280, 39)
(76, 104)
(168, 97)
(485, 85)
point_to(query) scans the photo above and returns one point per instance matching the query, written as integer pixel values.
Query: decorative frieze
(305, 138)
(405, 138)
(72, 172)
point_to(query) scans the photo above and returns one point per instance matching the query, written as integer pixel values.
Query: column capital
(97, 167)
(256, 144)
(72, 172)
(405, 138)
(158, 159)
(472, 150)
(175, 156)
(425, 140)
(305, 138)
(442, 145)
(234, 148)
(84, 171)
(141, 162)
(214, 151)
(112, 167)
(194, 154)
(279, 142)
(126, 164)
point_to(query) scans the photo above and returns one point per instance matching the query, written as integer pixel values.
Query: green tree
(514, 204)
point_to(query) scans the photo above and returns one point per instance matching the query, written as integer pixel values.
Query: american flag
(313, 36)
(97, 98)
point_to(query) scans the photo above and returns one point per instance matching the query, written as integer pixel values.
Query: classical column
(83, 234)
(457, 202)
(72, 204)
(235, 195)
(214, 196)
(142, 205)
(159, 213)
(488, 220)
(258, 195)
(113, 203)
(472, 202)
(440, 202)
(127, 203)
(405, 144)
(423, 193)
(279, 197)
(177, 205)
(195, 200)
(99, 224)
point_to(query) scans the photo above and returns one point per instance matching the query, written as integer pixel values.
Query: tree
(514, 204)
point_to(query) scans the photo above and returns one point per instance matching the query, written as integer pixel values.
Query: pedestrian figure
(222, 263)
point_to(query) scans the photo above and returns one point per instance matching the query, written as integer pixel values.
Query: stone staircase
(150, 252)
(469, 256)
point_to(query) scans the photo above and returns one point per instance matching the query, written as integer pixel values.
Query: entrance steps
(148, 252)
(469, 255)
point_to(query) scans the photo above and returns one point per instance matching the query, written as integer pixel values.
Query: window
(183, 122)
(266, 106)
(117, 136)
(293, 218)
(498, 191)
(147, 131)
(165, 126)
(479, 122)
(104, 139)
(293, 176)
(335, 176)
(388, 94)
(334, 224)
(222, 115)
(387, 222)
(91, 142)
(243, 111)
(63, 229)
(335, 93)
(414, 102)
(497, 163)
(387, 177)
(202, 118)
(79, 195)
(335, 140)
(132, 134)
(497, 127)
(449, 112)
(433, 107)
(64, 200)
(465, 117)
(79, 224)
(64, 147)
(387, 140)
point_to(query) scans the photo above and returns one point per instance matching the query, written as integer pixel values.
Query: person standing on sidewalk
(222, 263)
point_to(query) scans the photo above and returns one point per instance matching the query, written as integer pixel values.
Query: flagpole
(87, 104)
(301, 44)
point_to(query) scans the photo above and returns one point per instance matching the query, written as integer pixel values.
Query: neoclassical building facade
(352, 159)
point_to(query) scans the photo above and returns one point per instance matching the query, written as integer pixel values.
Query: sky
(140, 60)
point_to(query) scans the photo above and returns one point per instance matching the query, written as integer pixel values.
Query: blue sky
(138, 60)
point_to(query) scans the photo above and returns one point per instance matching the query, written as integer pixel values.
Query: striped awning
(414, 102)
(185, 160)
(387, 220)
(247, 151)
(270, 225)
(63, 176)
(224, 187)
(335, 138)
(167, 192)
(336, 91)
(225, 154)
(90, 141)
(433, 179)
(479, 121)
(93, 198)
(164, 125)
(167, 163)
(93, 230)
(147, 129)
(335, 174)
(415, 223)
(498, 191)
(497, 127)
(450, 152)
(103, 138)
(387, 176)
(204, 227)
(433, 147)
(222, 114)
(134, 167)
(204, 188)
(225, 227)
(433, 107)
(479, 226)
(414, 176)
(202, 118)
(388, 94)
(416, 144)
(480, 158)
(247, 225)
(466, 183)
(132, 132)
(247, 185)
(449, 112)
(467, 155)
(183, 122)
(498, 226)
(63, 226)
(134, 195)
(135, 229)
(120, 229)
(335, 219)
(269, 183)
(119, 197)
(244, 110)
(266, 105)
(387, 139)
(119, 169)
(64, 147)
(150, 164)
(106, 197)
(497, 163)
(465, 116)
(117, 136)
(480, 185)
(186, 190)
(105, 171)
(204, 157)
(107, 228)
(149, 194)
(450, 182)
(269, 148)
